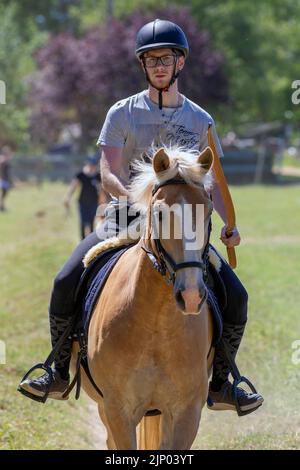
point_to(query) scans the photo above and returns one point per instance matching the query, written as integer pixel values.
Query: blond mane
(183, 163)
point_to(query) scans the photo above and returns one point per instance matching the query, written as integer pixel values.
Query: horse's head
(178, 222)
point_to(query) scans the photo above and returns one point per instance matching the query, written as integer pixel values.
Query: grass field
(290, 160)
(268, 265)
(36, 236)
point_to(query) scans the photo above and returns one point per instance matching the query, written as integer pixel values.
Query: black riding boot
(232, 336)
(221, 396)
(40, 386)
(57, 327)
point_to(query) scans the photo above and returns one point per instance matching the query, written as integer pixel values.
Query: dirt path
(287, 171)
(98, 432)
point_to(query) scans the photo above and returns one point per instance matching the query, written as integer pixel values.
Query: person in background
(6, 155)
(88, 181)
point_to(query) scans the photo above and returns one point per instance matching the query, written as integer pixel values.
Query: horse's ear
(206, 159)
(161, 161)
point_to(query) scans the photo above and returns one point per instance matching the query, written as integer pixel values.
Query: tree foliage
(15, 63)
(245, 55)
(260, 43)
(79, 78)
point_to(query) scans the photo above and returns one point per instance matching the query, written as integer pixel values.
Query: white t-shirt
(136, 124)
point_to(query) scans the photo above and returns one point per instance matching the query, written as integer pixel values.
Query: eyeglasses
(165, 60)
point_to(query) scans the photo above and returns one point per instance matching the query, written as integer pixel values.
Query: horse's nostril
(180, 300)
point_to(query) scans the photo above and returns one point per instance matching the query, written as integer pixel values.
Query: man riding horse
(157, 116)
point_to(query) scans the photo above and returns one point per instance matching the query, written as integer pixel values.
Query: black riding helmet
(156, 35)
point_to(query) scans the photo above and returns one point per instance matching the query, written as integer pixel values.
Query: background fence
(240, 166)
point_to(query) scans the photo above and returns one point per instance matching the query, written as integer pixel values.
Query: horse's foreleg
(185, 428)
(109, 440)
(122, 428)
(167, 431)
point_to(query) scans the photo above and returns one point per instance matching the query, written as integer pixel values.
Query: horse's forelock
(183, 163)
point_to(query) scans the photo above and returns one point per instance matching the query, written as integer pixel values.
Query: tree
(15, 63)
(78, 79)
(50, 16)
(260, 43)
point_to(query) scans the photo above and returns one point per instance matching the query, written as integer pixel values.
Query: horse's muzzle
(191, 300)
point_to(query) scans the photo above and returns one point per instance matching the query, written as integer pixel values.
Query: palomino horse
(149, 340)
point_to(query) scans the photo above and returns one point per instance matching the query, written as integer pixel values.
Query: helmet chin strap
(161, 90)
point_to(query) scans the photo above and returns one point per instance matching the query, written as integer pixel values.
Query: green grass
(290, 160)
(35, 238)
(34, 245)
(268, 265)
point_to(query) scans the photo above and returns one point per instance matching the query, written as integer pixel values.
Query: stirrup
(235, 384)
(44, 397)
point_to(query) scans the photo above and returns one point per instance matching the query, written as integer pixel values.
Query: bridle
(162, 261)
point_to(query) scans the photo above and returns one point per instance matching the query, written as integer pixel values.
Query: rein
(164, 262)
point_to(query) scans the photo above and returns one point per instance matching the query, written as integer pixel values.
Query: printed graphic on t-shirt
(183, 137)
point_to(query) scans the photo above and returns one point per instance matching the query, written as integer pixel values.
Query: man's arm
(110, 167)
(103, 197)
(73, 186)
(219, 206)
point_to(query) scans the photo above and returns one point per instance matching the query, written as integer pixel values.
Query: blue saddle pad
(98, 281)
(97, 285)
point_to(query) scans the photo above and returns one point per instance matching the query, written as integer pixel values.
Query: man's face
(160, 73)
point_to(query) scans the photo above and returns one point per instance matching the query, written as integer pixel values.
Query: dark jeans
(237, 297)
(66, 281)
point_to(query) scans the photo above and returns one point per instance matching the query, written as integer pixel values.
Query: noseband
(164, 263)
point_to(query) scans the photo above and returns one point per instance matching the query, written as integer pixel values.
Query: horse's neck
(151, 290)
